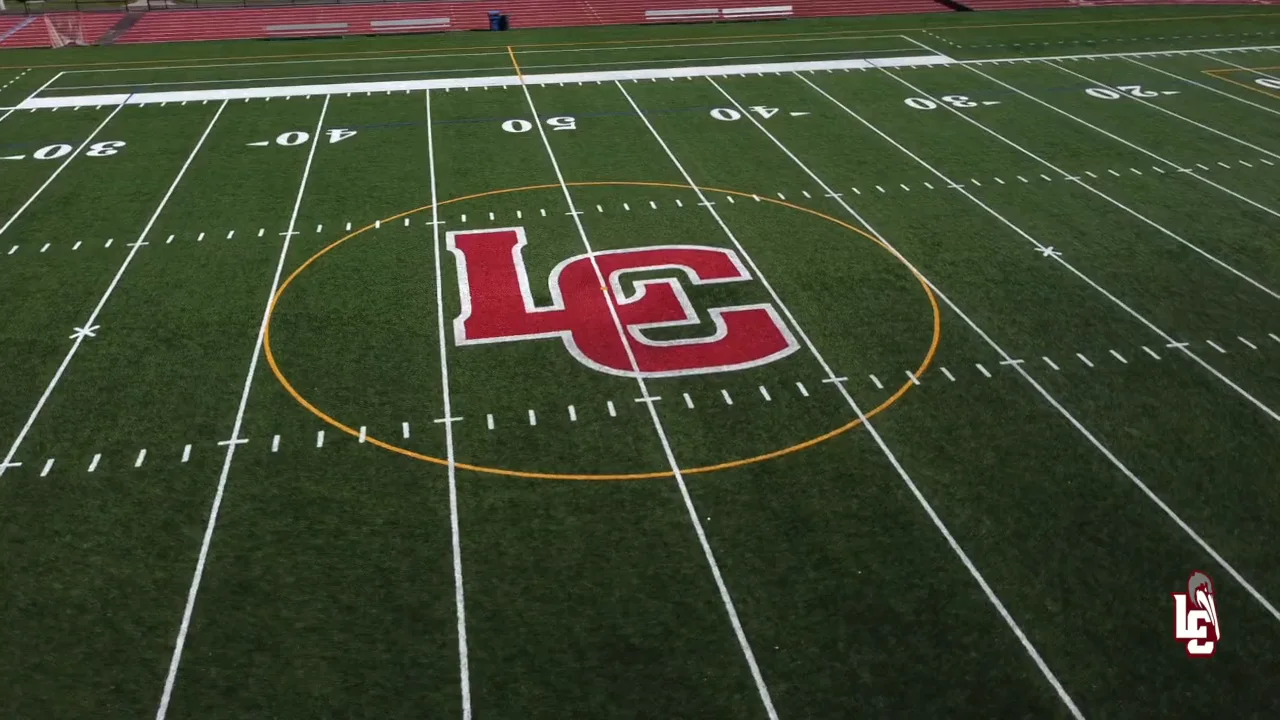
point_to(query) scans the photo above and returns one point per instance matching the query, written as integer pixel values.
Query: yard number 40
(729, 114)
(297, 137)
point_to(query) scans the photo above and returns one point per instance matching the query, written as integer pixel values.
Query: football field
(826, 369)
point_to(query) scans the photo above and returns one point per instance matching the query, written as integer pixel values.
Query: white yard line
(1167, 111)
(1210, 88)
(448, 420)
(89, 326)
(1018, 367)
(234, 442)
(63, 166)
(1127, 143)
(1076, 179)
(1055, 257)
(761, 688)
(884, 448)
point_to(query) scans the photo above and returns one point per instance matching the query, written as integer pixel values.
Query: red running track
(407, 17)
(179, 25)
(35, 34)
(1041, 4)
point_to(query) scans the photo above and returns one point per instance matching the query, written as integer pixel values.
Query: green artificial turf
(1067, 344)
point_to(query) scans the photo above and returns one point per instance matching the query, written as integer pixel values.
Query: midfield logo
(497, 306)
(1198, 627)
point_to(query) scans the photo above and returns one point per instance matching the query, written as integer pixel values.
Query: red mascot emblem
(497, 306)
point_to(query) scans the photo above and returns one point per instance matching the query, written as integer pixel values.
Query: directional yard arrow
(798, 114)
(1170, 92)
(13, 157)
(990, 102)
(262, 143)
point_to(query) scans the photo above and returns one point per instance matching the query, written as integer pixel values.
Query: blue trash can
(495, 20)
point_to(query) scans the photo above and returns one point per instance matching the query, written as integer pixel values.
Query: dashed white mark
(876, 381)
(688, 401)
(533, 417)
(803, 390)
(364, 434)
(1049, 362)
(1151, 352)
(319, 438)
(573, 414)
(1248, 344)
(111, 240)
(1084, 359)
(142, 457)
(947, 372)
(725, 394)
(48, 465)
(613, 412)
(231, 234)
(912, 377)
(1217, 347)
(489, 421)
(1118, 356)
(186, 452)
(77, 245)
(93, 464)
(45, 247)
(982, 369)
(764, 392)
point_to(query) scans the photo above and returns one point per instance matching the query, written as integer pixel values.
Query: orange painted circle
(919, 372)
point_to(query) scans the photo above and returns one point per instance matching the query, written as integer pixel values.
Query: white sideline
(283, 91)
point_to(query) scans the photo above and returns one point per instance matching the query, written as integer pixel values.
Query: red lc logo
(497, 306)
